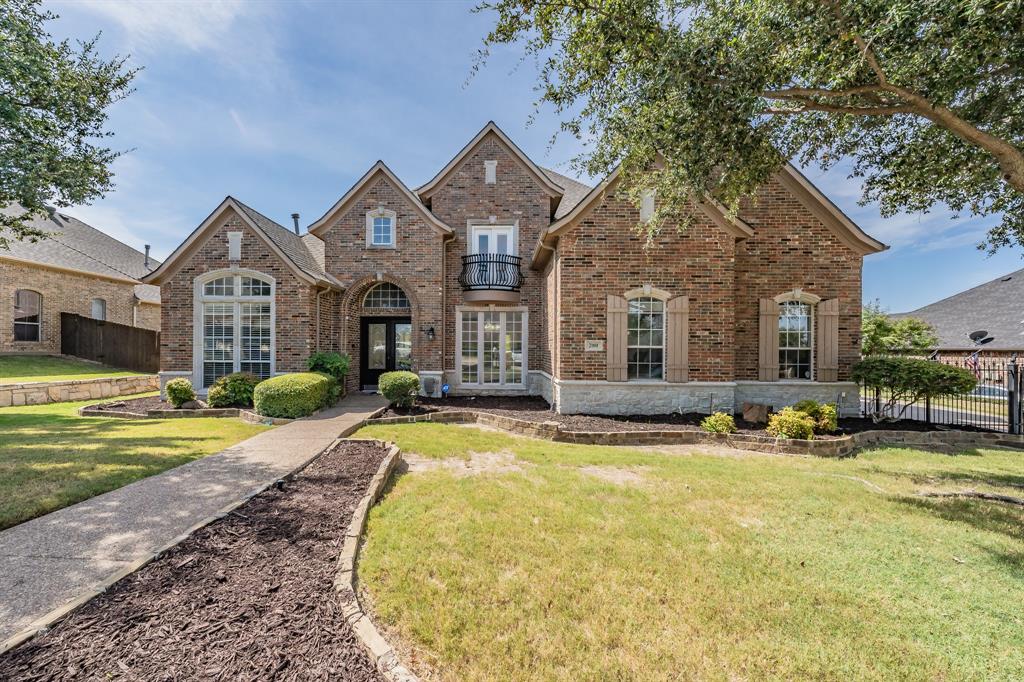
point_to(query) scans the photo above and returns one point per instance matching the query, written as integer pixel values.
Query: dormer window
(380, 229)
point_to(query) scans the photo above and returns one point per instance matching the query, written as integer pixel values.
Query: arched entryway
(380, 315)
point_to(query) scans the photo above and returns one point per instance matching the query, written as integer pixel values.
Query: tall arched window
(796, 329)
(235, 326)
(28, 315)
(645, 338)
(386, 295)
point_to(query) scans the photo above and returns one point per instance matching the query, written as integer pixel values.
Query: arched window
(645, 338)
(28, 315)
(99, 309)
(235, 326)
(796, 329)
(386, 295)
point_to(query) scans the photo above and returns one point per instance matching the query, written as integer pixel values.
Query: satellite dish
(987, 339)
(978, 336)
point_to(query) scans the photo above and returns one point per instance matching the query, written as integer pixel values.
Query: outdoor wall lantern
(430, 334)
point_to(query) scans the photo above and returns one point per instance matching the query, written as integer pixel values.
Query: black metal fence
(113, 344)
(994, 404)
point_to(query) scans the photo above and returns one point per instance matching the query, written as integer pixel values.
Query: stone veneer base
(952, 440)
(42, 392)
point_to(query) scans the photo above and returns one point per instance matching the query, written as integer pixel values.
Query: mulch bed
(533, 408)
(248, 597)
(134, 405)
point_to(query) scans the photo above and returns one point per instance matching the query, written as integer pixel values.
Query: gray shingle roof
(307, 255)
(996, 307)
(70, 243)
(574, 191)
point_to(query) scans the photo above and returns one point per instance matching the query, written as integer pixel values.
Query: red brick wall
(414, 264)
(793, 249)
(63, 292)
(516, 195)
(602, 256)
(294, 298)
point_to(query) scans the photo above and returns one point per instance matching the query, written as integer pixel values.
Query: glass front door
(386, 347)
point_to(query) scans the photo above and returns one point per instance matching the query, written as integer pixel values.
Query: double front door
(386, 347)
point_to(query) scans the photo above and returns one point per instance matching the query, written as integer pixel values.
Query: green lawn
(16, 369)
(696, 566)
(50, 457)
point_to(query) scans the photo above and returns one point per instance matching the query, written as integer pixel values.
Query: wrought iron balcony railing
(491, 271)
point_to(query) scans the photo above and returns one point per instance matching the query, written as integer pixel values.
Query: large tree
(925, 96)
(53, 110)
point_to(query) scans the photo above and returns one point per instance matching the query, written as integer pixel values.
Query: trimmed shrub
(233, 390)
(904, 381)
(719, 422)
(790, 423)
(179, 391)
(334, 364)
(400, 388)
(292, 395)
(334, 389)
(825, 415)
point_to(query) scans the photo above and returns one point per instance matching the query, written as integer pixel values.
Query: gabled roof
(71, 244)
(292, 249)
(574, 192)
(543, 179)
(351, 196)
(994, 307)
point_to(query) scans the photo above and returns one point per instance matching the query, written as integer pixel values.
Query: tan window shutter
(615, 344)
(828, 340)
(768, 344)
(677, 339)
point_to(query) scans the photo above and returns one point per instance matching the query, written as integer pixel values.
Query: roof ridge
(90, 256)
(247, 207)
(100, 232)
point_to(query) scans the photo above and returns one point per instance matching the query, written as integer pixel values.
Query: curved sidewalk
(55, 559)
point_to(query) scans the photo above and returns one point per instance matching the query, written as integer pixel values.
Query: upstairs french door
(492, 348)
(494, 239)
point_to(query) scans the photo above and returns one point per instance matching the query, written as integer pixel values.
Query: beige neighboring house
(75, 269)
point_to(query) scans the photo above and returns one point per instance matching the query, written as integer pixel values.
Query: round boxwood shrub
(400, 388)
(292, 395)
(719, 422)
(233, 390)
(790, 423)
(179, 391)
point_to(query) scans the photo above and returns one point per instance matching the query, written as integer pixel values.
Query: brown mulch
(534, 408)
(249, 597)
(134, 405)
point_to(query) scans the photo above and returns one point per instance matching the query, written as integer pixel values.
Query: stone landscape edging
(842, 446)
(380, 650)
(43, 392)
(47, 621)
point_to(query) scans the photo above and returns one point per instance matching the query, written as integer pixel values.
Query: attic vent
(490, 172)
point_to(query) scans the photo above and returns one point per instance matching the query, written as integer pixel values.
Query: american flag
(972, 364)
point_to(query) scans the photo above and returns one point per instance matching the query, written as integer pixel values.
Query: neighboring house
(994, 307)
(498, 276)
(74, 269)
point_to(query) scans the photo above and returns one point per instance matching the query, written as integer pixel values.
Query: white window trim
(198, 299)
(663, 296)
(458, 346)
(381, 213)
(811, 301)
(473, 226)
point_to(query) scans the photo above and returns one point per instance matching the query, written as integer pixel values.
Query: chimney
(146, 263)
(295, 220)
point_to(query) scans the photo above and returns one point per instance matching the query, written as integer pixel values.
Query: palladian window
(237, 327)
(795, 342)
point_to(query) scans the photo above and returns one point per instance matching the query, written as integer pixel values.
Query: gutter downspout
(318, 295)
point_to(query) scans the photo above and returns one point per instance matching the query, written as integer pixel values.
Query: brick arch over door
(352, 310)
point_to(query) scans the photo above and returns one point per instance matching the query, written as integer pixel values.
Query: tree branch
(839, 109)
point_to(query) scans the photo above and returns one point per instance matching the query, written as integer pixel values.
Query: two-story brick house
(498, 276)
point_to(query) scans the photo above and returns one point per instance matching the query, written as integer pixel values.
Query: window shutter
(828, 340)
(677, 340)
(615, 344)
(768, 346)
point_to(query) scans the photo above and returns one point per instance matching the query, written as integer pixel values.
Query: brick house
(498, 276)
(75, 268)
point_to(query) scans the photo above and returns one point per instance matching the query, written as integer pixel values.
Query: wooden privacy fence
(117, 345)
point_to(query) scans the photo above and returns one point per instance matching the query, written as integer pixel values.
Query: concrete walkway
(54, 559)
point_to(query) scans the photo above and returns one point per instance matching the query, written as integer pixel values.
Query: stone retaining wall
(38, 393)
(844, 446)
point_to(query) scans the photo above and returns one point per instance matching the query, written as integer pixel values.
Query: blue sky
(285, 105)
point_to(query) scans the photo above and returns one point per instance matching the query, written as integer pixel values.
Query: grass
(50, 457)
(710, 567)
(17, 369)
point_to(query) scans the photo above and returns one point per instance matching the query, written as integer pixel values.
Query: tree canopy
(925, 97)
(881, 334)
(53, 109)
